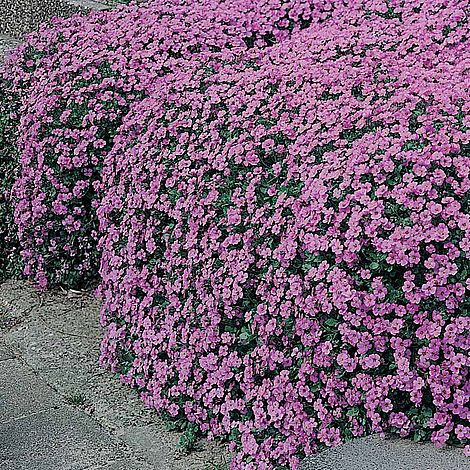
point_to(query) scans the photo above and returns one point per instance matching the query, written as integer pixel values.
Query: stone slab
(144, 437)
(22, 393)
(373, 453)
(18, 17)
(39, 431)
(60, 439)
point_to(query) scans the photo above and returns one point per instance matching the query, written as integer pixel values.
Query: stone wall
(18, 17)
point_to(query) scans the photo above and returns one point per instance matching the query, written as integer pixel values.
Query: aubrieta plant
(76, 79)
(280, 210)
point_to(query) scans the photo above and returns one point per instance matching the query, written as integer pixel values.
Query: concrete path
(373, 453)
(39, 431)
(18, 17)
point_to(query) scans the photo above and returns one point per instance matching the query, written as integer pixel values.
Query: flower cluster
(283, 232)
(75, 81)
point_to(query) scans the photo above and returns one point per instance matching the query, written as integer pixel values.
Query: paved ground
(59, 410)
(373, 453)
(39, 430)
(18, 17)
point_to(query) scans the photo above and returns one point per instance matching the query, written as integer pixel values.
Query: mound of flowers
(283, 232)
(77, 79)
(286, 244)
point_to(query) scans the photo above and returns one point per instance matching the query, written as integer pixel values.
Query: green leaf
(331, 322)
(352, 411)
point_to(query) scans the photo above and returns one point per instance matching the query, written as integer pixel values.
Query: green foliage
(77, 399)
(217, 466)
(10, 261)
(188, 440)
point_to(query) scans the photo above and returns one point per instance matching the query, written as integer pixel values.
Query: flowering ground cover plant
(284, 231)
(76, 80)
(285, 258)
